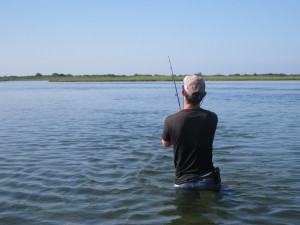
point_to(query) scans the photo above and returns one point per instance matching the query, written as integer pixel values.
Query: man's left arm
(166, 144)
(165, 137)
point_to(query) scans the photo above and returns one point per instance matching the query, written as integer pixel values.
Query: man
(191, 132)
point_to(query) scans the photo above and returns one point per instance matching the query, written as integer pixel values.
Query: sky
(126, 37)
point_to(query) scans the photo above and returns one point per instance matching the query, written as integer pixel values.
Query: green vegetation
(56, 77)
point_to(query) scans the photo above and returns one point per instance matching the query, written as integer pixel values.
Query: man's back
(192, 133)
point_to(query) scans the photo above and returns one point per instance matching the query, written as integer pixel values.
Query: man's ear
(182, 92)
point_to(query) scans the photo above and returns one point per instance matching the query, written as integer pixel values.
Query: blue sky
(137, 36)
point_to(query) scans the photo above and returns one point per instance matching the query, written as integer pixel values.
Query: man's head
(193, 89)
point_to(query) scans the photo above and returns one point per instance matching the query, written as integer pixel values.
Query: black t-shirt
(191, 132)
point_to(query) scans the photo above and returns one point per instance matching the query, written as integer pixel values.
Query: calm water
(90, 153)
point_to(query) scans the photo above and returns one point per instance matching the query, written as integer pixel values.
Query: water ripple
(69, 155)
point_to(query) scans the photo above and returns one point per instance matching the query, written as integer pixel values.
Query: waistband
(206, 174)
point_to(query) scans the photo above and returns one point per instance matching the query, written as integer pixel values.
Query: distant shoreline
(140, 77)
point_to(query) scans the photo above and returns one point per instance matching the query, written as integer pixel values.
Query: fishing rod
(174, 83)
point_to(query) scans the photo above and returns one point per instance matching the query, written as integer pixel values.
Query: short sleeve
(166, 131)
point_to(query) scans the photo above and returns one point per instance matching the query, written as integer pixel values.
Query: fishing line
(174, 84)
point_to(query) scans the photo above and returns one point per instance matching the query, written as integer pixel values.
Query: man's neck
(189, 106)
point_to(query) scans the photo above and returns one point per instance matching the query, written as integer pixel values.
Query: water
(90, 153)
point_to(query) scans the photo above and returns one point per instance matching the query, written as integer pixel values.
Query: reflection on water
(194, 206)
(84, 153)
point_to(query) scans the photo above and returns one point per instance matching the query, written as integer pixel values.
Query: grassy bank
(109, 77)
